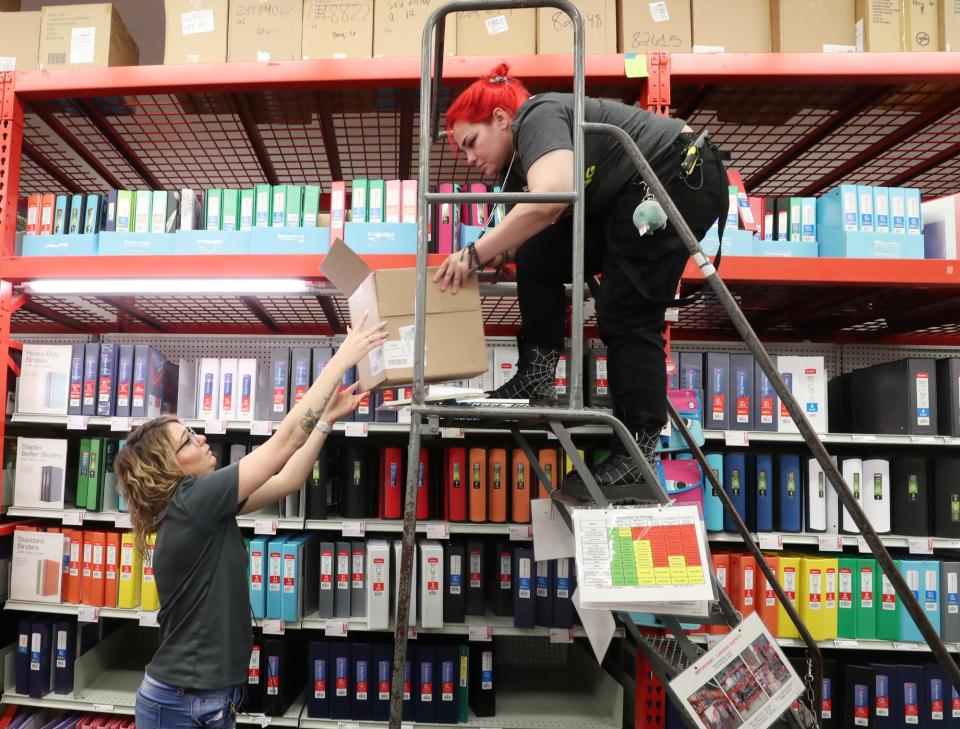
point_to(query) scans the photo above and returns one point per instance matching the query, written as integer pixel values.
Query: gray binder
(341, 600)
(328, 579)
(950, 601)
(358, 580)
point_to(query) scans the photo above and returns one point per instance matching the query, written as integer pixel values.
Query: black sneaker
(535, 376)
(619, 477)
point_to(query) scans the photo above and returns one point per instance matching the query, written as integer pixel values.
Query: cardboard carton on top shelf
(878, 25)
(455, 348)
(920, 21)
(265, 30)
(555, 28)
(196, 31)
(398, 28)
(812, 26)
(334, 29)
(19, 40)
(85, 36)
(949, 25)
(661, 26)
(734, 26)
(497, 32)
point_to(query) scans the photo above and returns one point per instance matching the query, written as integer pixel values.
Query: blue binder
(524, 587)
(381, 666)
(361, 689)
(65, 644)
(930, 592)
(543, 604)
(887, 696)
(790, 494)
(40, 650)
(448, 660)
(425, 708)
(763, 478)
(936, 709)
(712, 506)
(22, 670)
(736, 484)
(910, 697)
(339, 688)
(319, 686)
(912, 571)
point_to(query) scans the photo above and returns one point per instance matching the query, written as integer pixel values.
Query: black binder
(22, 671)
(946, 497)
(40, 650)
(886, 697)
(454, 574)
(910, 493)
(361, 703)
(896, 397)
(317, 485)
(381, 668)
(425, 708)
(476, 568)
(564, 582)
(318, 680)
(447, 669)
(859, 693)
(500, 584)
(483, 693)
(65, 647)
(948, 395)
(357, 468)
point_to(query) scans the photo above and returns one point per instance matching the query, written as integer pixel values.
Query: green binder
(463, 700)
(82, 473)
(95, 475)
(867, 597)
(846, 598)
(888, 611)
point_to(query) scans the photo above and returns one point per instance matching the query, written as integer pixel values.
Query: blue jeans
(161, 706)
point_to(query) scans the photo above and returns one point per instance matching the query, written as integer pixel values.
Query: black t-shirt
(544, 123)
(200, 566)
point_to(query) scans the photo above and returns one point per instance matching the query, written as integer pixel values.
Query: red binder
(423, 486)
(112, 570)
(391, 477)
(477, 478)
(45, 223)
(33, 213)
(456, 492)
(548, 462)
(498, 484)
(521, 481)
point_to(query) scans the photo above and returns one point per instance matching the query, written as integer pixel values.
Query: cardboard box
(398, 28)
(85, 36)
(19, 41)
(949, 25)
(40, 473)
(497, 32)
(265, 30)
(44, 381)
(37, 566)
(660, 26)
(196, 31)
(812, 26)
(878, 25)
(455, 347)
(555, 28)
(921, 24)
(735, 26)
(333, 29)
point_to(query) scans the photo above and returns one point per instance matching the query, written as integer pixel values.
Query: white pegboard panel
(176, 346)
(858, 356)
(831, 353)
(519, 650)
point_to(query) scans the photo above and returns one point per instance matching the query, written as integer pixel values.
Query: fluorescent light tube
(147, 286)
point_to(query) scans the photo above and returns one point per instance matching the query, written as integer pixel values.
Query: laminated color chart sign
(631, 556)
(744, 682)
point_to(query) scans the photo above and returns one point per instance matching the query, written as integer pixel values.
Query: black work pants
(639, 277)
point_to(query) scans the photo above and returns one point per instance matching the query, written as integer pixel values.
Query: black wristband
(474, 256)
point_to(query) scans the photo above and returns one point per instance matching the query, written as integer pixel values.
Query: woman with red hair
(527, 142)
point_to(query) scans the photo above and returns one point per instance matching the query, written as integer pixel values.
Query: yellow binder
(128, 593)
(818, 596)
(788, 574)
(149, 599)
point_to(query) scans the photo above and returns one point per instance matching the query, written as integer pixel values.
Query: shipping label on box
(41, 472)
(656, 26)
(37, 566)
(91, 36)
(196, 31)
(493, 32)
(265, 30)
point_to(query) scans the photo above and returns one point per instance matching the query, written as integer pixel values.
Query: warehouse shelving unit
(793, 123)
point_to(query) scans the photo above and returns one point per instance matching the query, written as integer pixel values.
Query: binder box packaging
(395, 579)
(431, 584)
(454, 337)
(896, 398)
(36, 567)
(358, 579)
(41, 473)
(716, 380)
(807, 379)
(45, 376)
(378, 585)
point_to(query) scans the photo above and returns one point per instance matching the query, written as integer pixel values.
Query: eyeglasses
(192, 439)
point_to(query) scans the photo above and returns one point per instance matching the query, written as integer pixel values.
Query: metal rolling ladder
(673, 651)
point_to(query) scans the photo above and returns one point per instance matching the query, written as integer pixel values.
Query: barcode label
(55, 58)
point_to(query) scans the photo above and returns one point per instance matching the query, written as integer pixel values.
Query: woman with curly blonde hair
(168, 477)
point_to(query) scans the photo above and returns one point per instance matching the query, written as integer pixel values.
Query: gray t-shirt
(200, 565)
(544, 123)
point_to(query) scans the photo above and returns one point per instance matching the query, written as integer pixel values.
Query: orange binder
(93, 586)
(498, 479)
(111, 570)
(45, 224)
(86, 569)
(520, 483)
(743, 583)
(477, 478)
(71, 576)
(548, 462)
(721, 565)
(767, 599)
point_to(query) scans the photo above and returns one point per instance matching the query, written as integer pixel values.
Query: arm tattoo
(309, 420)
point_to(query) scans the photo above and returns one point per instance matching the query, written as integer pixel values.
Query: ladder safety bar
(500, 197)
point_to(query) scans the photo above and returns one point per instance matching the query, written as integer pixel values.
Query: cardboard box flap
(396, 289)
(344, 267)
